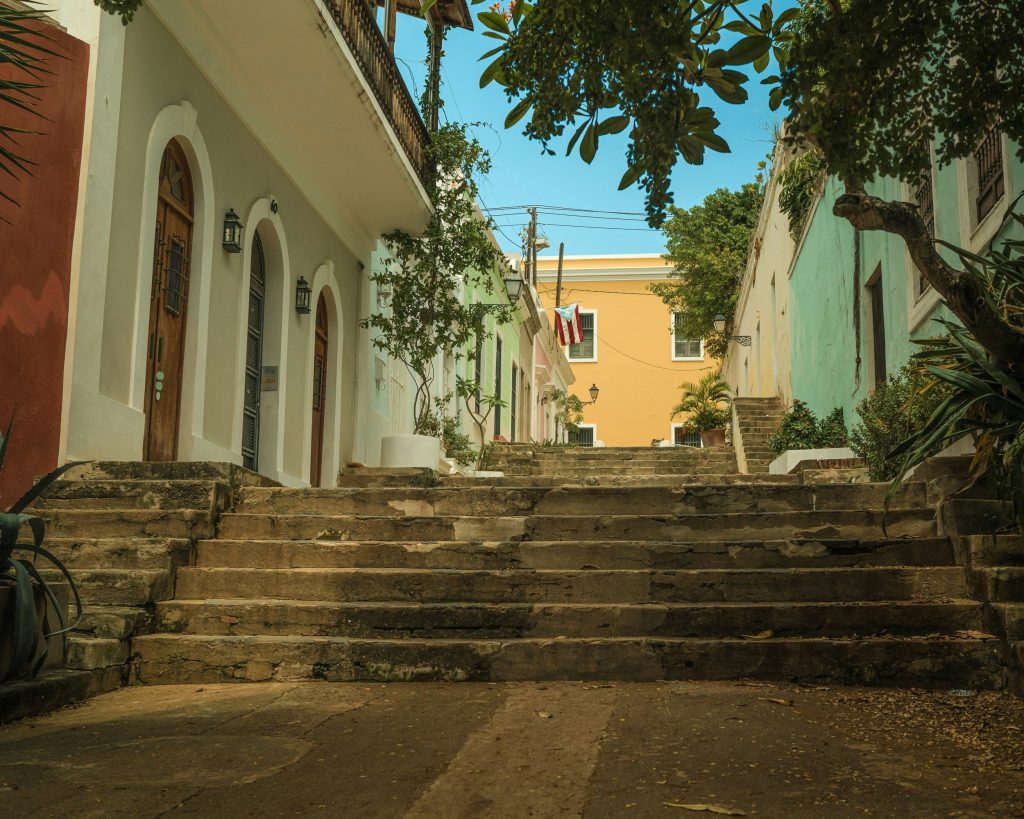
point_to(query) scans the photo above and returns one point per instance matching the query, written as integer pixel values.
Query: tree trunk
(963, 292)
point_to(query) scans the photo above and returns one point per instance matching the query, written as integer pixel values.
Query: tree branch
(962, 292)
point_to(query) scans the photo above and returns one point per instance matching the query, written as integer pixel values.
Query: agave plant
(702, 401)
(26, 634)
(25, 49)
(987, 400)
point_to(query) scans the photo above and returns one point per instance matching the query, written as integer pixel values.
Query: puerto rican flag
(570, 328)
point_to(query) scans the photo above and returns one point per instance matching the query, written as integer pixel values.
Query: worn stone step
(167, 471)
(696, 527)
(119, 587)
(996, 549)
(93, 652)
(472, 501)
(532, 554)
(563, 586)
(106, 494)
(928, 663)
(113, 622)
(623, 480)
(1001, 583)
(121, 553)
(1007, 620)
(109, 523)
(516, 620)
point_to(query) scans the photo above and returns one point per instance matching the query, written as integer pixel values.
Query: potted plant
(703, 402)
(426, 277)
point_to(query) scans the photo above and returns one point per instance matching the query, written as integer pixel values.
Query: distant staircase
(755, 420)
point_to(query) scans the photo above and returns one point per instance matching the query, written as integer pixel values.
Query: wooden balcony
(361, 34)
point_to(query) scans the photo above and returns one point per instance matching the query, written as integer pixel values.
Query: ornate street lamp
(303, 294)
(233, 230)
(743, 341)
(514, 288)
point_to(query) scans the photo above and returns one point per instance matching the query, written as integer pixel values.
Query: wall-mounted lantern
(383, 293)
(514, 288)
(719, 320)
(303, 294)
(594, 390)
(233, 230)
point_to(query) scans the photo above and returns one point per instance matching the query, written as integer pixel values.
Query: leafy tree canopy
(708, 246)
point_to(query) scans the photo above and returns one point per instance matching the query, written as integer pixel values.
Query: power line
(609, 292)
(587, 227)
(566, 208)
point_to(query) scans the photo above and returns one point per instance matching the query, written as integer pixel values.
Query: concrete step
(119, 587)
(517, 620)
(691, 474)
(113, 622)
(622, 480)
(121, 553)
(561, 586)
(1001, 584)
(695, 527)
(203, 495)
(110, 523)
(92, 652)
(1007, 619)
(531, 554)
(995, 549)
(475, 501)
(167, 471)
(930, 663)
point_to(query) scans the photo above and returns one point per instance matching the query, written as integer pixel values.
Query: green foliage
(125, 8)
(469, 392)
(801, 429)
(444, 425)
(984, 396)
(875, 83)
(426, 273)
(702, 403)
(708, 246)
(24, 52)
(648, 70)
(892, 412)
(568, 412)
(799, 183)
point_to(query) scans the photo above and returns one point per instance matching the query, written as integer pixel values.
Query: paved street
(518, 750)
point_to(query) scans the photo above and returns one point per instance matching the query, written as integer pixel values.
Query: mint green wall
(822, 298)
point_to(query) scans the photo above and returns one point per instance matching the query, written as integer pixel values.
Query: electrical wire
(588, 290)
(566, 208)
(586, 227)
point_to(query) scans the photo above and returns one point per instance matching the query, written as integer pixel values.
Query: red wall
(35, 265)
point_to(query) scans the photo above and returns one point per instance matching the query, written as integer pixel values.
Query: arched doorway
(254, 355)
(168, 305)
(316, 461)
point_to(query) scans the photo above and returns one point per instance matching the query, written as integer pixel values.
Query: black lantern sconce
(233, 230)
(514, 288)
(594, 391)
(303, 294)
(719, 322)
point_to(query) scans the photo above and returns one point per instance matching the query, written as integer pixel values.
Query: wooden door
(168, 306)
(316, 461)
(254, 356)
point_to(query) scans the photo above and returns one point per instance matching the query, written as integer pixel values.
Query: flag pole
(558, 286)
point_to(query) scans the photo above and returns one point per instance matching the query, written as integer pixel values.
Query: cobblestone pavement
(518, 750)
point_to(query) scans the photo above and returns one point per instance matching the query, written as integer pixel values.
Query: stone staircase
(755, 420)
(123, 529)
(539, 576)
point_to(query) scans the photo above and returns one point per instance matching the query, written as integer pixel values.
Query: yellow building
(630, 350)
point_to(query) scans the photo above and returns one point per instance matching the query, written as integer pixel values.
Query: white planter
(398, 451)
(789, 460)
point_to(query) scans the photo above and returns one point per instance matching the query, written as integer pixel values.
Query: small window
(685, 349)
(683, 437)
(586, 350)
(988, 162)
(583, 435)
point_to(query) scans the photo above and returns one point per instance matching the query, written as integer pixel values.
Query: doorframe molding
(263, 215)
(178, 122)
(324, 280)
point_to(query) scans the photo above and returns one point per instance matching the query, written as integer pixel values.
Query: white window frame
(921, 305)
(590, 427)
(568, 347)
(672, 348)
(672, 437)
(977, 236)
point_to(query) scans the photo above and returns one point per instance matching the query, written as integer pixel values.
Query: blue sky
(522, 175)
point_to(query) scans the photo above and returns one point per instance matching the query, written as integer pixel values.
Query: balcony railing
(358, 27)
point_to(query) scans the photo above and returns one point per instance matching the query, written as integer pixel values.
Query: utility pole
(531, 245)
(558, 285)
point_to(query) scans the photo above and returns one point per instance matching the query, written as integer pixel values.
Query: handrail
(361, 33)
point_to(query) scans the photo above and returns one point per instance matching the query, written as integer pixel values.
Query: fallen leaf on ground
(776, 700)
(973, 634)
(761, 635)
(719, 809)
(544, 715)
